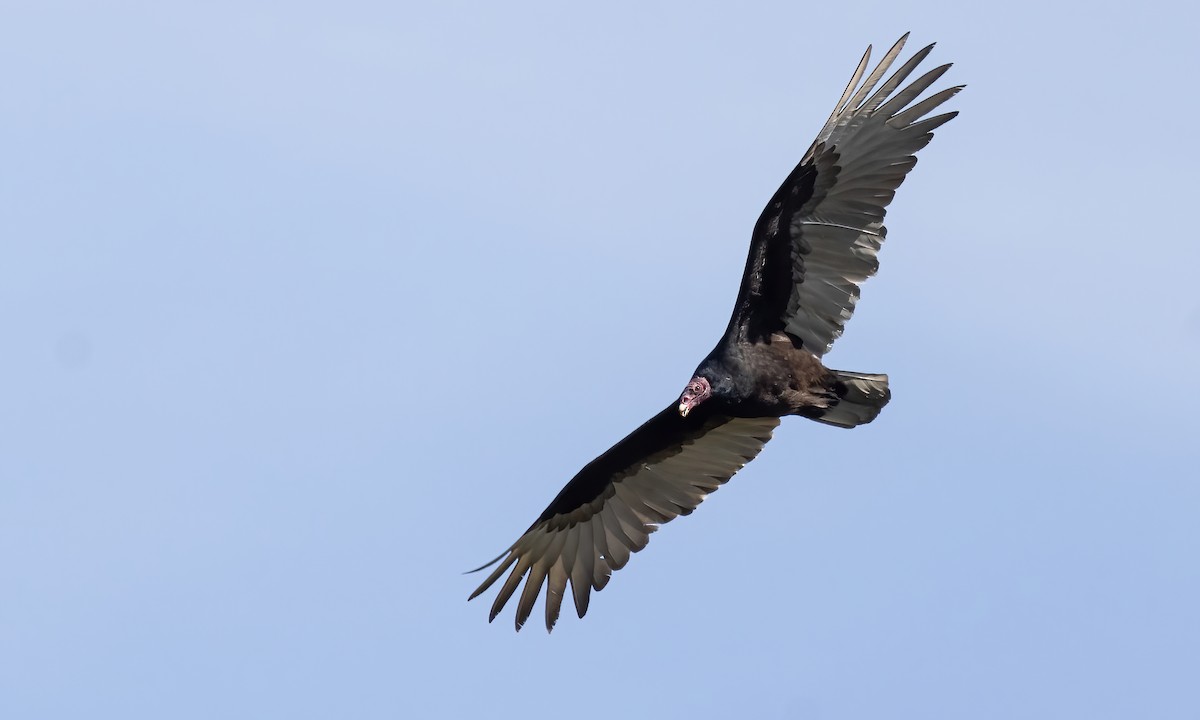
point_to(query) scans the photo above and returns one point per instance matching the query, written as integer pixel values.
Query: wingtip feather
(489, 563)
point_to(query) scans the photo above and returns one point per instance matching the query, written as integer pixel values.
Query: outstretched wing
(662, 470)
(816, 241)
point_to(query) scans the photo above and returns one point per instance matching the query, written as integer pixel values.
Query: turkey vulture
(812, 247)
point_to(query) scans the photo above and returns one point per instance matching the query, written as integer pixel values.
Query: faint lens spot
(73, 350)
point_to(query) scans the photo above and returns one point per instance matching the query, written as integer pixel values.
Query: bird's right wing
(662, 470)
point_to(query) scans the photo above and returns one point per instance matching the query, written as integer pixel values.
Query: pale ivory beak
(684, 409)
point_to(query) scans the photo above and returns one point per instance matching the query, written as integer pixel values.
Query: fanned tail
(860, 398)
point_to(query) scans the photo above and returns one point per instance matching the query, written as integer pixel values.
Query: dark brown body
(779, 376)
(794, 380)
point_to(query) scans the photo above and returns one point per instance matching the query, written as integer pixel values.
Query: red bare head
(696, 392)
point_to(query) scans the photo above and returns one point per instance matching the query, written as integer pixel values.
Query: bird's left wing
(816, 241)
(662, 470)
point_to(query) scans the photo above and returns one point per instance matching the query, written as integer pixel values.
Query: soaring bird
(815, 243)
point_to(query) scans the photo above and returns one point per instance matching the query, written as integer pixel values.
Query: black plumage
(815, 243)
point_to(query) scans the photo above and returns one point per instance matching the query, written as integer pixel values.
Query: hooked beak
(684, 409)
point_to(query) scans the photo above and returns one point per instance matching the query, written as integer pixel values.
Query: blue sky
(306, 309)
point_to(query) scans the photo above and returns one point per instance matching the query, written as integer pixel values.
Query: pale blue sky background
(306, 308)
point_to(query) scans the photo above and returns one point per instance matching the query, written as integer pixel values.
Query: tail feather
(860, 398)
